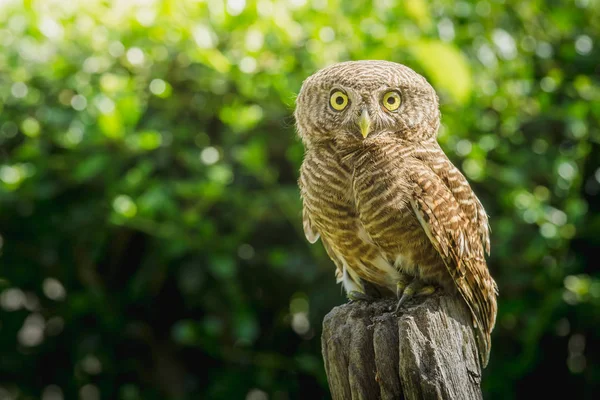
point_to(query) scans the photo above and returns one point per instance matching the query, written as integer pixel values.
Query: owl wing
(459, 243)
(461, 190)
(312, 235)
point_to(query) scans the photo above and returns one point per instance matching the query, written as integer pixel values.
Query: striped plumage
(382, 195)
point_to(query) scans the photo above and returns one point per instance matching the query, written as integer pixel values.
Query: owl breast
(326, 189)
(383, 193)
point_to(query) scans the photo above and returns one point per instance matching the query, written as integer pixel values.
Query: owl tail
(484, 345)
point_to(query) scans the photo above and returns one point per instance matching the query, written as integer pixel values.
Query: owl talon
(406, 295)
(402, 283)
(355, 295)
(401, 286)
(415, 288)
(426, 290)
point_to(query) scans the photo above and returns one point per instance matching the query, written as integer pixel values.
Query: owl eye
(338, 100)
(392, 100)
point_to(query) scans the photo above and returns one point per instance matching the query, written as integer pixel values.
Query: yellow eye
(338, 100)
(392, 100)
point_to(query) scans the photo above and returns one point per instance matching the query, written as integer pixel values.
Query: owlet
(391, 210)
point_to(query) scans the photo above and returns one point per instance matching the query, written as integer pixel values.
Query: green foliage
(150, 234)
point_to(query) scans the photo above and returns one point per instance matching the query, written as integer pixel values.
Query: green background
(150, 231)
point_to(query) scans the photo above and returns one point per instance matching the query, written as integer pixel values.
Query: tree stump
(425, 351)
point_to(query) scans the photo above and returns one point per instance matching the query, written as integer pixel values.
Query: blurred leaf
(91, 167)
(419, 11)
(447, 67)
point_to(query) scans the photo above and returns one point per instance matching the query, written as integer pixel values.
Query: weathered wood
(426, 351)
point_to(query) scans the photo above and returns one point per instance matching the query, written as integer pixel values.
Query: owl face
(359, 101)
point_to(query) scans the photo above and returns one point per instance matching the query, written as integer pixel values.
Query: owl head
(360, 101)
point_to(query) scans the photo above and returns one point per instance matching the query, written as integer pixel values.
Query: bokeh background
(150, 231)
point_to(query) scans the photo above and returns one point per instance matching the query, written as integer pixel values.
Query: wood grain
(426, 351)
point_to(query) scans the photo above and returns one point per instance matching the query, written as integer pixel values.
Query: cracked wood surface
(426, 351)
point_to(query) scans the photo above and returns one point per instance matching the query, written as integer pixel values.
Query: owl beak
(364, 123)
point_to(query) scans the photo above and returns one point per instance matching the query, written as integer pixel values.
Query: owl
(393, 213)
